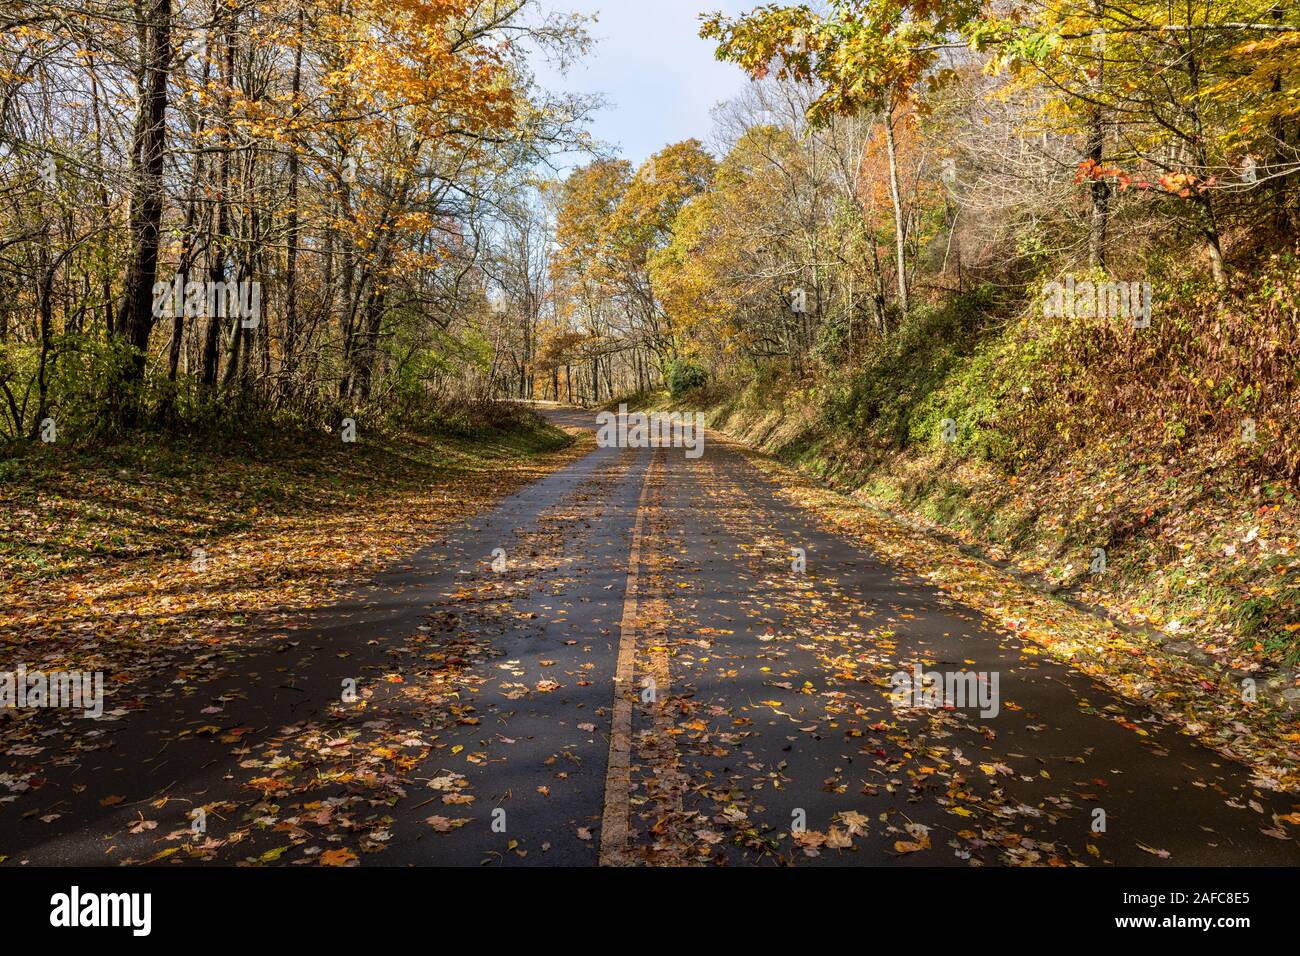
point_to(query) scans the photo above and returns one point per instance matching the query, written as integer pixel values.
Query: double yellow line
(614, 822)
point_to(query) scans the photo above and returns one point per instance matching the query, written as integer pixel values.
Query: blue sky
(659, 77)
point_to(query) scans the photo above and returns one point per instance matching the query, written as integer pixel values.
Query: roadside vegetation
(122, 556)
(1026, 272)
(260, 265)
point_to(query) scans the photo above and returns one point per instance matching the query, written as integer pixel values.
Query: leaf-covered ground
(284, 769)
(772, 738)
(1202, 577)
(1202, 696)
(122, 558)
(481, 729)
(1193, 547)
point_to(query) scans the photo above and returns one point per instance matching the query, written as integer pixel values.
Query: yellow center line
(613, 827)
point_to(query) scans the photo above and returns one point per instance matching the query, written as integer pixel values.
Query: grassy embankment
(112, 553)
(1074, 437)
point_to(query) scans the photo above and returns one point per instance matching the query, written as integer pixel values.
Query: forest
(375, 179)
(230, 218)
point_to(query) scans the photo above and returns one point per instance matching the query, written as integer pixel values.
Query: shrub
(682, 376)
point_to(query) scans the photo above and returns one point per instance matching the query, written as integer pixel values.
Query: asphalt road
(638, 674)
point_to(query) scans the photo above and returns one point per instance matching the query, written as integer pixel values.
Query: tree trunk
(1210, 235)
(135, 321)
(900, 229)
(291, 230)
(217, 250)
(1099, 189)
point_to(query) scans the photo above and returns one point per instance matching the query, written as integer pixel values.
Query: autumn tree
(348, 160)
(864, 55)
